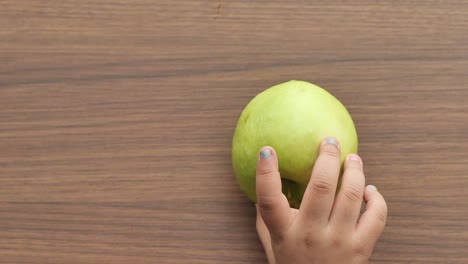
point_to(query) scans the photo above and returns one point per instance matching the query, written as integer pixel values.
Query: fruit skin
(293, 118)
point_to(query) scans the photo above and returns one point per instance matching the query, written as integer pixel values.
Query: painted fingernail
(332, 141)
(355, 157)
(266, 153)
(373, 188)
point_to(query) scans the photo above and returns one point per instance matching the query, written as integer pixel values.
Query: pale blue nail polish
(266, 153)
(332, 141)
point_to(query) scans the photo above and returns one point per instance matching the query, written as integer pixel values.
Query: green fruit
(293, 118)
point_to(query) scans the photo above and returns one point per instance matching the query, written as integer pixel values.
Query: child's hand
(326, 228)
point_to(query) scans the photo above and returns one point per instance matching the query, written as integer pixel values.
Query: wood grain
(116, 119)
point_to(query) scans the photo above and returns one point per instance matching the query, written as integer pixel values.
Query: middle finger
(320, 193)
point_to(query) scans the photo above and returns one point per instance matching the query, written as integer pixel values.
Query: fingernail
(332, 141)
(373, 188)
(355, 157)
(265, 153)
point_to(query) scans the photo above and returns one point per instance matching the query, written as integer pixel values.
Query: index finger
(273, 206)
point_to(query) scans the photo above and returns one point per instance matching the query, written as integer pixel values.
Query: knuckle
(353, 193)
(266, 202)
(322, 185)
(264, 172)
(336, 243)
(310, 240)
(381, 214)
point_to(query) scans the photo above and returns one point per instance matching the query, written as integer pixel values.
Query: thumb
(271, 202)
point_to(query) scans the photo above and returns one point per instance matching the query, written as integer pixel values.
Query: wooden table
(116, 119)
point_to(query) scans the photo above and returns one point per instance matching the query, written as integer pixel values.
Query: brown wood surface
(116, 120)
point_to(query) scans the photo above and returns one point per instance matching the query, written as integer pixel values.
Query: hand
(327, 228)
